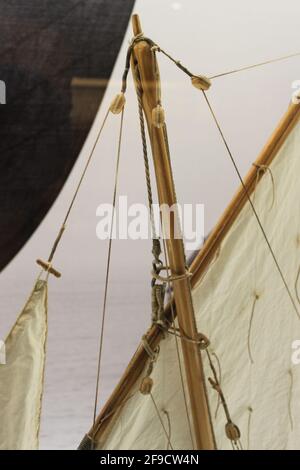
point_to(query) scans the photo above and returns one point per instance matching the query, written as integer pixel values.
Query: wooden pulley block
(146, 385)
(47, 267)
(118, 103)
(232, 431)
(201, 82)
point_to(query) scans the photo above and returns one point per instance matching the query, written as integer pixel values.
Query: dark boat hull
(55, 59)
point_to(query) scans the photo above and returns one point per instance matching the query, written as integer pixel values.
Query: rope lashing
(171, 277)
(201, 340)
(147, 382)
(157, 303)
(201, 82)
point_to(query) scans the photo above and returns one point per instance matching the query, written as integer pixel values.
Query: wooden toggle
(47, 267)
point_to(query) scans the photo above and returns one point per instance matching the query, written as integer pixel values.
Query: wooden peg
(47, 267)
(136, 25)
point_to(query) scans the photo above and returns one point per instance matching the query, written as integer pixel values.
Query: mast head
(136, 25)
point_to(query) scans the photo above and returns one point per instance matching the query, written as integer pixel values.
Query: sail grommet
(201, 82)
(146, 386)
(118, 103)
(158, 116)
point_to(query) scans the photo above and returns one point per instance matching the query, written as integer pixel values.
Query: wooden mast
(143, 62)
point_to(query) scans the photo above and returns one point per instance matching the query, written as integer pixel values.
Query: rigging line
(256, 297)
(296, 285)
(116, 408)
(290, 398)
(213, 353)
(250, 410)
(251, 204)
(177, 347)
(230, 72)
(58, 238)
(166, 413)
(108, 268)
(161, 421)
(259, 64)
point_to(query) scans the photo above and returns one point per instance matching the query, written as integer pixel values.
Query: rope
(250, 327)
(161, 421)
(219, 380)
(290, 397)
(296, 285)
(202, 342)
(108, 267)
(170, 277)
(259, 64)
(145, 155)
(63, 226)
(184, 69)
(151, 353)
(252, 205)
(169, 428)
(232, 431)
(249, 426)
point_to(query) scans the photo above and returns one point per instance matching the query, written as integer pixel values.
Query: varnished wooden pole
(147, 69)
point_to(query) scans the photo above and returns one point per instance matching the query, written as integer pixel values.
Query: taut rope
(108, 265)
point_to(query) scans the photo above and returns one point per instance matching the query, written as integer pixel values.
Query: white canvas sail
(21, 377)
(242, 305)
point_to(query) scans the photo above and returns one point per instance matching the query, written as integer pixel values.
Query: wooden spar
(143, 60)
(205, 256)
